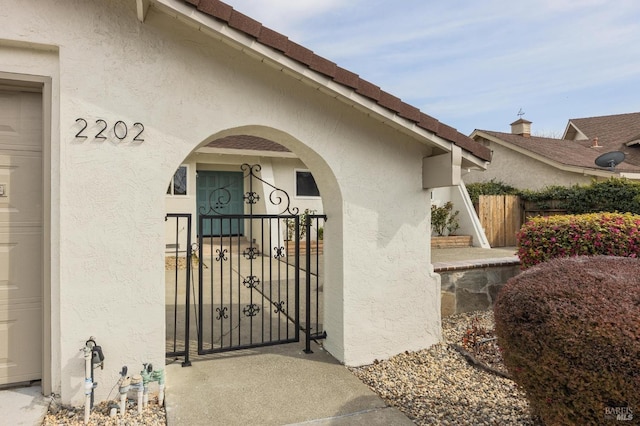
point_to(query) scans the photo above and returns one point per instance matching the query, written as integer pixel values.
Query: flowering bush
(609, 234)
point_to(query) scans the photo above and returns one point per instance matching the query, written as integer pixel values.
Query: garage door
(20, 236)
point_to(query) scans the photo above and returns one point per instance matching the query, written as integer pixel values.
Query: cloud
(463, 61)
(286, 16)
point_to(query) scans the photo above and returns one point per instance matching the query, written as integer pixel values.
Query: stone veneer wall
(475, 286)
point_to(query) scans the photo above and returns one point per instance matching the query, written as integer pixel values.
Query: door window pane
(178, 184)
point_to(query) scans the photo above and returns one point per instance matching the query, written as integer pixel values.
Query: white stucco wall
(467, 217)
(108, 197)
(523, 172)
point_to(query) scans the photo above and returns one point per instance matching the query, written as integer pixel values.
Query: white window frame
(295, 186)
(170, 192)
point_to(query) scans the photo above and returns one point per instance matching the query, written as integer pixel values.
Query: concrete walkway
(277, 385)
(23, 406)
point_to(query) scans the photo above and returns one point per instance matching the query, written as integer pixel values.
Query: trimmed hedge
(492, 187)
(610, 234)
(569, 330)
(610, 195)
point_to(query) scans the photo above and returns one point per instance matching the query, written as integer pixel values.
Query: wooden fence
(501, 218)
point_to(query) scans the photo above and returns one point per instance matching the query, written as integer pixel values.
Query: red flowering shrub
(609, 234)
(570, 333)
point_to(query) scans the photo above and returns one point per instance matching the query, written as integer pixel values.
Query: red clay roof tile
(428, 123)
(216, 8)
(273, 39)
(447, 132)
(409, 111)
(369, 90)
(245, 24)
(347, 78)
(323, 66)
(389, 101)
(298, 52)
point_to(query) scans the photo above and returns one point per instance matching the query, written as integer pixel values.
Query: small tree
(291, 225)
(444, 218)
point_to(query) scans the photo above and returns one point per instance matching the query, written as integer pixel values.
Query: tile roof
(578, 153)
(247, 142)
(281, 43)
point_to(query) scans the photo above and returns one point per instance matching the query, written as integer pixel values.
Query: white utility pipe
(136, 381)
(125, 383)
(161, 394)
(88, 383)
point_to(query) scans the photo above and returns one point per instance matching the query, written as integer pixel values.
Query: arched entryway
(245, 248)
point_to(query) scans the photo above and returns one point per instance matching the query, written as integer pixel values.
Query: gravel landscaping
(438, 386)
(435, 386)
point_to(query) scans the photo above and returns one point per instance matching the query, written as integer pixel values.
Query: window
(306, 185)
(178, 184)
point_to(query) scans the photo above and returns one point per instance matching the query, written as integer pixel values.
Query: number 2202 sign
(102, 130)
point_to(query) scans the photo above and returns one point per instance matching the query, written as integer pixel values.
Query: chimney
(521, 127)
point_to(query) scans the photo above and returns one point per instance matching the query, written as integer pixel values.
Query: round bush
(569, 330)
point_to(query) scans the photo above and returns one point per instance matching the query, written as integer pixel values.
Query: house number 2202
(120, 130)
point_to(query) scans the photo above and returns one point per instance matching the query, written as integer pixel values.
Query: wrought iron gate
(249, 291)
(178, 288)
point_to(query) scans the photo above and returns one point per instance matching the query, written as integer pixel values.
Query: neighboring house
(103, 101)
(531, 162)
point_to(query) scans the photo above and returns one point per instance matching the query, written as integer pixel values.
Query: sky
(475, 64)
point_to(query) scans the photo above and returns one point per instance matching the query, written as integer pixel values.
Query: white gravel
(438, 386)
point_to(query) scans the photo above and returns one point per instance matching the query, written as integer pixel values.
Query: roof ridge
(524, 137)
(273, 39)
(605, 116)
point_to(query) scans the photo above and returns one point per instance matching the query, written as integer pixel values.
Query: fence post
(307, 225)
(187, 362)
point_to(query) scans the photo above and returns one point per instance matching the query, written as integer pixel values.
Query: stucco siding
(109, 196)
(523, 172)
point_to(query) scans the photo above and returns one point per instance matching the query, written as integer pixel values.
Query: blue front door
(221, 193)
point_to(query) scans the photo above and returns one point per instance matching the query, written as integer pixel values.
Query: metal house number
(120, 130)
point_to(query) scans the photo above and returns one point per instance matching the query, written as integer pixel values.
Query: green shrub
(611, 234)
(569, 330)
(444, 218)
(611, 195)
(492, 187)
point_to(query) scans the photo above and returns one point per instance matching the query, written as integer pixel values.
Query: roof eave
(586, 171)
(220, 30)
(250, 152)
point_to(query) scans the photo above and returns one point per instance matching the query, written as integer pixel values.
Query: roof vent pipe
(594, 144)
